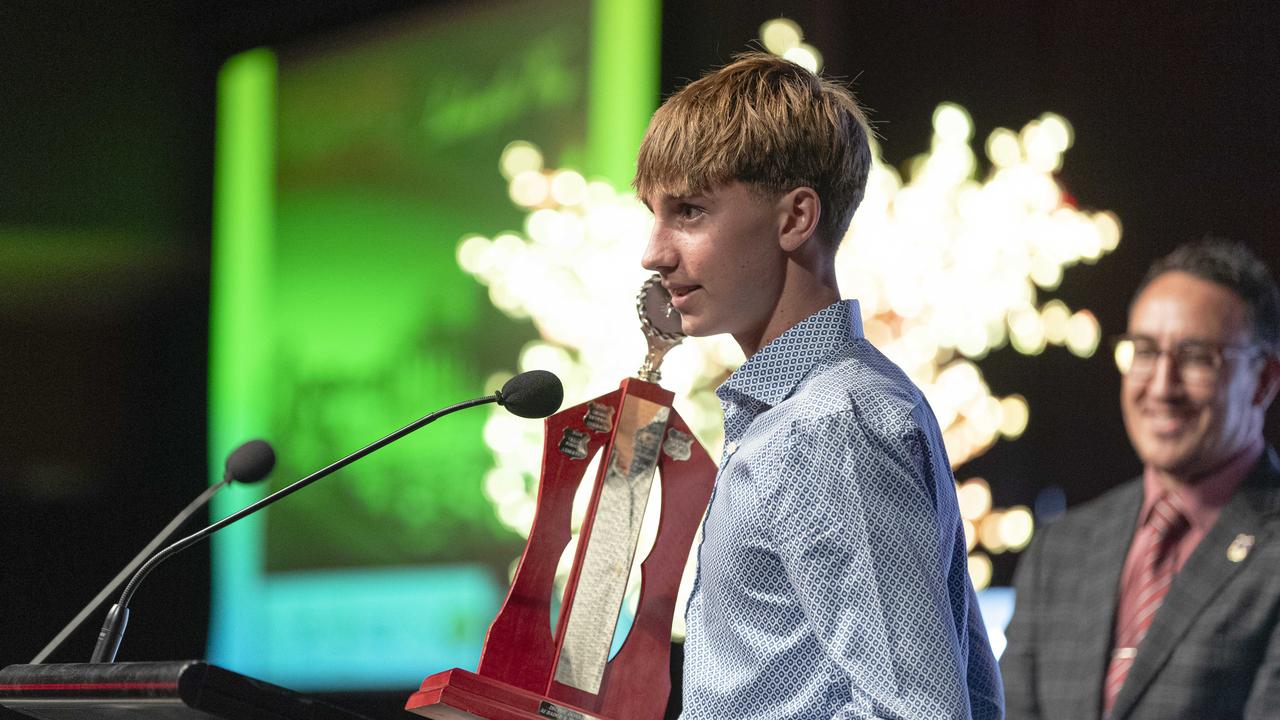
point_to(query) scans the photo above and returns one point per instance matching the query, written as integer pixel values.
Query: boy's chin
(700, 325)
(692, 328)
(702, 332)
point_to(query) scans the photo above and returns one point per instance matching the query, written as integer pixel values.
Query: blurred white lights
(947, 262)
(948, 266)
(1083, 334)
(1124, 356)
(1015, 527)
(806, 56)
(974, 496)
(952, 124)
(1014, 415)
(568, 188)
(1003, 148)
(518, 157)
(980, 570)
(529, 188)
(780, 35)
(784, 37)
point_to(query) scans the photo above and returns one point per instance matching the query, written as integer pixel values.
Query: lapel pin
(1239, 548)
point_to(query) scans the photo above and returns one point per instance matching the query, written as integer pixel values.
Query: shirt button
(731, 447)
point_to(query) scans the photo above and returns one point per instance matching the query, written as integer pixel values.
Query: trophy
(526, 669)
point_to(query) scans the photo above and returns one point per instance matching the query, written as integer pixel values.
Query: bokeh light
(780, 35)
(974, 496)
(1124, 356)
(518, 157)
(806, 56)
(980, 570)
(529, 188)
(1015, 527)
(989, 532)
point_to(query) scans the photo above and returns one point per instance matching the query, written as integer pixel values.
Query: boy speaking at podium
(832, 574)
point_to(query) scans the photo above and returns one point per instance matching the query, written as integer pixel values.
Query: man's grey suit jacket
(1213, 649)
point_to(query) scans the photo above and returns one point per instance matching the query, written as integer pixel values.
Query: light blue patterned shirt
(832, 578)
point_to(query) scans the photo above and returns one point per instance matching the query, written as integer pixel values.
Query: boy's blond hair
(766, 122)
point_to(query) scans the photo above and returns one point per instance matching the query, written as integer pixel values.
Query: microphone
(532, 394)
(248, 463)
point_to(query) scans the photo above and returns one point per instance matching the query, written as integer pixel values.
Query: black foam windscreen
(251, 461)
(532, 394)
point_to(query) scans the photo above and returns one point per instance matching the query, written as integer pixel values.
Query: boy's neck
(805, 291)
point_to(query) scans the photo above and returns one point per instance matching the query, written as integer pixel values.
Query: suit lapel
(1096, 605)
(1203, 576)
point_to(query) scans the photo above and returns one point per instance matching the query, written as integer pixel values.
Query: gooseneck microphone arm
(113, 628)
(531, 394)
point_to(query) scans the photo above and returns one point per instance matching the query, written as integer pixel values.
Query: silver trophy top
(660, 322)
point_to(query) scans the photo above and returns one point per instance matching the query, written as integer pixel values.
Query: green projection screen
(347, 169)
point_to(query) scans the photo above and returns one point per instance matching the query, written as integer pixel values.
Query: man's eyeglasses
(1197, 362)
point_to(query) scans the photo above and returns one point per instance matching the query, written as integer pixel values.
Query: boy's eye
(688, 211)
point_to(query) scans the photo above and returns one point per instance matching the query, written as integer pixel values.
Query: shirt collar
(1202, 502)
(771, 374)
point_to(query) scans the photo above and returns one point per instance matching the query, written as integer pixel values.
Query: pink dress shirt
(1200, 503)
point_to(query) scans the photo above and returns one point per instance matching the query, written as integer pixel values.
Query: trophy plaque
(526, 669)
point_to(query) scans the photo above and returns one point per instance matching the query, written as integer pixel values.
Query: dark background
(106, 150)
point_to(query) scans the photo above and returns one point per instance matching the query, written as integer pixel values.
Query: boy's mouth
(680, 294)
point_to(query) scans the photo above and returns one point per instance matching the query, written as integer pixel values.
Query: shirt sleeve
(867, 528)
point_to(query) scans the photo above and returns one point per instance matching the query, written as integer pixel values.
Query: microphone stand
(118, 617)
(195, 505)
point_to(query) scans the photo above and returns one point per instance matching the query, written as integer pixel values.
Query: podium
(179, 690)
(529, 669)
(526, 670)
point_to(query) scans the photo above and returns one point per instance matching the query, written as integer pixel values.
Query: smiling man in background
(1161, 599)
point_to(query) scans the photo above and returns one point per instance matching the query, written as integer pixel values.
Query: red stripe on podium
(91, 686)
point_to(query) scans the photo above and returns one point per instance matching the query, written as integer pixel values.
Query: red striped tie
(1164, 527)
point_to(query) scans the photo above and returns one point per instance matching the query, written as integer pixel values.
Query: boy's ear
(799, 211)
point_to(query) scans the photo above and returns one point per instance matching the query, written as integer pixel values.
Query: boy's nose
(659, 255)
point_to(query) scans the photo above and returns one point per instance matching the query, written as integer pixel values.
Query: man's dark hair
(1234, 266)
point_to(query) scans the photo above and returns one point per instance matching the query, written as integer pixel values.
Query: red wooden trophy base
(461, 695)
(526, 671)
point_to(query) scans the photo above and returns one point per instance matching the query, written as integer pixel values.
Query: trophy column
(525, 670)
